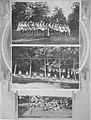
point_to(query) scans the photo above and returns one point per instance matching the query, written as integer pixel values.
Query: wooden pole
(29, 102)
(74, 70)
(48, 32)
(30, 67)
(45, 67)
(15, 69)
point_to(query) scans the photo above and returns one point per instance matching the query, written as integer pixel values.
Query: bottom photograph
(44, 106)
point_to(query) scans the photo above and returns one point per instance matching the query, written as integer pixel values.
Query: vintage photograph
(51, 22)
(40, 81)
(45, 67)
(37, 106)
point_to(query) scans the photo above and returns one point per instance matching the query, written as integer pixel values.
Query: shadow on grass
(21, 110)
(70, 85)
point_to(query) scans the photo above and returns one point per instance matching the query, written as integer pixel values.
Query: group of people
(36, 27)
(53, 74)
(49, 103)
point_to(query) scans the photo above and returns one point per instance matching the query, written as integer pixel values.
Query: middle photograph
(45, 67)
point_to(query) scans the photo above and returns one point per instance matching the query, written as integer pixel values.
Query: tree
(41, 58)
(21, 56)
(18, 53)
(73, 18)
(40, 11)
(24, 53)
(18, 13)
(28, 11)
(58, 16)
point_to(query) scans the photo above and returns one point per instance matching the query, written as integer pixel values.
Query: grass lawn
(28, 38)
(22, 109)
(38, 113)
(29, 80)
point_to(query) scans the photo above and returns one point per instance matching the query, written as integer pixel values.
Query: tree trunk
(48, 33)
(45, 68)
(59, 70)
(74, 69)
(30, 67)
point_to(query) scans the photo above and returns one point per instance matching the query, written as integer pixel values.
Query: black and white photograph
(50, 22)
(45, 70)
(44, 106)
(45, 67)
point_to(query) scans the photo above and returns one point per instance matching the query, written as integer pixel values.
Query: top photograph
(51, 22)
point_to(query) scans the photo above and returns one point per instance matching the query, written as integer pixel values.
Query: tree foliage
(18, 13)
(58, 16)
(73, 18)
(36, 12)
(23, 55)
(24, 11)
(40, 11)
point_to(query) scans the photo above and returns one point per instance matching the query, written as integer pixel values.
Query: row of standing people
(36, 27)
